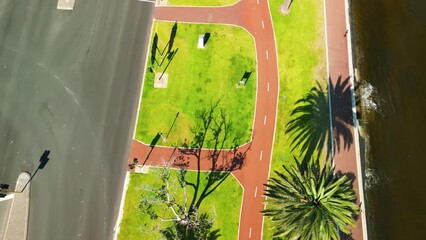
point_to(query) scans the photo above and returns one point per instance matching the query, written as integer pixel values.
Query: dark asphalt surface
(70, 83)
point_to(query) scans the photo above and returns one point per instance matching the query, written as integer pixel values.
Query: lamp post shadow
(152, 146)
(44, 159)
(174, 121)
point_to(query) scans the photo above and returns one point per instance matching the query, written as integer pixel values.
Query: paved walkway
(338, 44)
(254, 16)
(17, 225)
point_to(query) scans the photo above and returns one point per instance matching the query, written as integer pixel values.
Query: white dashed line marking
(263, 25)
(267, 55)
(264, 121)
(255, 192)
(250, 233)
(268, 86)
(257, 2)
(261, 155)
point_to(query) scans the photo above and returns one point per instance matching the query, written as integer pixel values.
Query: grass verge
(196, 78)
(226, 201)
(302, 62)
(202, 2)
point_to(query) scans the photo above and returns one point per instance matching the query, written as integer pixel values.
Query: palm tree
(310, 202)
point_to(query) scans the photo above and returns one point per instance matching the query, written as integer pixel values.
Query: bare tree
(170, 214)
(182, 213)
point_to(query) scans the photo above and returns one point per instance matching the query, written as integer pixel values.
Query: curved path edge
(254, 16)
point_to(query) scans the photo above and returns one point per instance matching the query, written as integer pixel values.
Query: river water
(390, 46)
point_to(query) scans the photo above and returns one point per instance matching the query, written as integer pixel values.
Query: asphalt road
(70, 83)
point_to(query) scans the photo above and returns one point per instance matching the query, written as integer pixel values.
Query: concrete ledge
(17, 226)
(66, 4)
(142, 169)
(161, 83)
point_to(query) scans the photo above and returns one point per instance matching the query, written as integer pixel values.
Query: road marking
(263, 25)
(255, 192)
(267, 54)
(250, 233)
(257, 2)
(261, 155)
(264, 121)
(268, 86)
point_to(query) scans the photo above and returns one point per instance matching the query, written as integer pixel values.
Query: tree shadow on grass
(310, 128)
(212, 129)
(177, 232)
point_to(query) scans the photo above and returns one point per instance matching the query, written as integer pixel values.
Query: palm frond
(310, 202)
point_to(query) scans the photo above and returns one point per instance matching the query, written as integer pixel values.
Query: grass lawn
(197, 78)
(226, 200)
(202, 2)
(302, 62)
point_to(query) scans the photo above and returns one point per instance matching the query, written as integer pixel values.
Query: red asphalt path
(250, 15)
(339, 65)
(254, 16)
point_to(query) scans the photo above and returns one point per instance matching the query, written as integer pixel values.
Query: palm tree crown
(310, 202)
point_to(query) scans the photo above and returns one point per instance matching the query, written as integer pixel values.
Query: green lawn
(198, 77)
(202, 2)
(302, 62)
(226, 200)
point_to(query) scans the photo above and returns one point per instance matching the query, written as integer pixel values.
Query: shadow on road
(44, 159)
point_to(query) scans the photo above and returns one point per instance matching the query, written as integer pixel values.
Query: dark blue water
(391, 52)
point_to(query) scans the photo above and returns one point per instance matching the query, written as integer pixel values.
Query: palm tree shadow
(344, 236)
(214, 235)
(341, 110)
(310, 128)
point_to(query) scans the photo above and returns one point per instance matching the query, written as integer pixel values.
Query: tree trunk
(285, 7)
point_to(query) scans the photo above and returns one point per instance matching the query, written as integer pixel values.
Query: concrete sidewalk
(5, 206)
(17, 221)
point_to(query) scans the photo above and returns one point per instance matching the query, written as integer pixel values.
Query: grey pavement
(17, 225)
(70, 83)
(5, 206)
